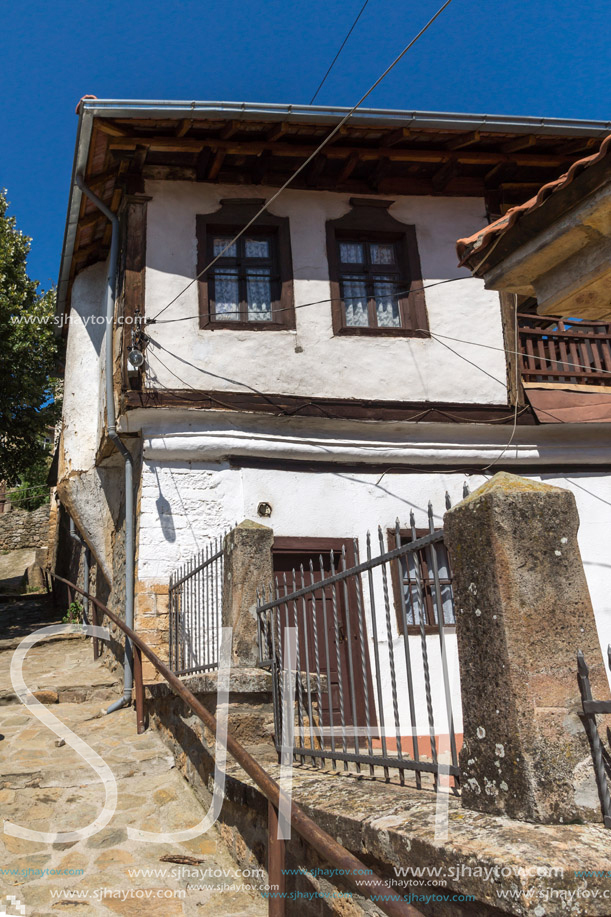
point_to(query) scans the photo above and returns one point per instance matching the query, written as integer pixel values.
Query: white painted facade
(310, 360)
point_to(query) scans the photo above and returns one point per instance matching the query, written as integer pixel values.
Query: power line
(332, 64)
(516, 383)
(541, 371)
(304, 305)
(18, 490)
(309, 159)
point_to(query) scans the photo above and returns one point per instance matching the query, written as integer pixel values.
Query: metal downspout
(86, 566)
(116, 439)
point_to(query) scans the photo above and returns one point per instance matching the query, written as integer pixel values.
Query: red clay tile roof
(482, 239)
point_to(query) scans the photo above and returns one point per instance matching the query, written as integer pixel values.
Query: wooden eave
(502, 168)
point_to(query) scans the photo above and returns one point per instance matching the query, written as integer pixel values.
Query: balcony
(566, 368)
(564, 351)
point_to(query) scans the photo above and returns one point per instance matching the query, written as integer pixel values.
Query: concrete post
(248, 566)
(523, 611)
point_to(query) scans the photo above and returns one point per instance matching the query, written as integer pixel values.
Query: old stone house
(325, 372)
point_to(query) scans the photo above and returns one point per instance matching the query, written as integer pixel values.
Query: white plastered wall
(310, 360)
(83, 403)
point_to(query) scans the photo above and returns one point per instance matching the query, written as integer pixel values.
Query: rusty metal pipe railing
(370, 885)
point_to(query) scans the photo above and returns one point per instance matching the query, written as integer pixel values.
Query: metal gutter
(255, 111)
(112, 108)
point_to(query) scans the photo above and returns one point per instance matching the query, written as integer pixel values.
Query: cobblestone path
(47, 786)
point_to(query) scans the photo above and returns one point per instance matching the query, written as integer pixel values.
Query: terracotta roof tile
(483, 238)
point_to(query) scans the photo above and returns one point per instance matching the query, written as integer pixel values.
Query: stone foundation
(388, 827)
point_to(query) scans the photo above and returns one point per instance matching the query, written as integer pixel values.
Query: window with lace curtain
(250, 283)
(244, 281)
(375, 275)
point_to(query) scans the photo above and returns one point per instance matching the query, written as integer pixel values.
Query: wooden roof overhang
(122, 145)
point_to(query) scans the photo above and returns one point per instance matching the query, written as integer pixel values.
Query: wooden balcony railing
(562, 350)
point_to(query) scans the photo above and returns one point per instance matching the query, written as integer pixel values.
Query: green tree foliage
(28, 351)
(33, 491)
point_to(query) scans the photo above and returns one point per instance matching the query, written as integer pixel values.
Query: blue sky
(526, 57)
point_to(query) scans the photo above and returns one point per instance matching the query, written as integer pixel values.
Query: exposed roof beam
(459, 143)
(444, 175)
(276, 132)
(520, 143)
(114, 130)
(394, 137)
(229, 130)
(583, 144)
(256, 147)
(349, 167)
(215, 168)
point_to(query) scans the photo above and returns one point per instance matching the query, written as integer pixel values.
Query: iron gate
(196, 598)
(367, 692)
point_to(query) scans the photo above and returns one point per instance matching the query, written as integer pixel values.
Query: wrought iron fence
(196, 597)
(601, 758)
(369, 680)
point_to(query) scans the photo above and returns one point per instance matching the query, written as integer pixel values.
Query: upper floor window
(370, 282)
(244, 282)
(250, 285)
(374, 267)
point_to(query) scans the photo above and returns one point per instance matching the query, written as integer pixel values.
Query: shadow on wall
(164, 511)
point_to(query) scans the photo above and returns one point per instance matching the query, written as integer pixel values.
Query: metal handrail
(369, 883)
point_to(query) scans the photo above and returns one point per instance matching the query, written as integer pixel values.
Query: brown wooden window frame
(369, 221)
(228, 221)
(431, 627)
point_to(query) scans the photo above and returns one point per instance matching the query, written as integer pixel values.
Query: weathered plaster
(310, 360)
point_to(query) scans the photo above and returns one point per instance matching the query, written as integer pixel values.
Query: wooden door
(336, 615)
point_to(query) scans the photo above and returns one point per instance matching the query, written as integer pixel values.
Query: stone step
(68, 694)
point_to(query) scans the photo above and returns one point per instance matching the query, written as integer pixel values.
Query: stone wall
(20, 529)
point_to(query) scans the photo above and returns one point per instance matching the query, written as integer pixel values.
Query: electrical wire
(18, 490)
(541, 371)
(309, 159)
(332, 64)
(305, 305)
(516, 384)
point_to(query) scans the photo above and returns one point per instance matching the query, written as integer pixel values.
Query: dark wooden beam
(520, 143)
(444, 175)
(229, 130)
(582, 144)
(348, 167)
(215, 168)
(203, 164)
(336, 408)
(396, 136)
(133, 278)
(276, 132)
(183, 128)
(256, 147)
(112, 129)
(502, 171)
(315, 169)
(464, 140)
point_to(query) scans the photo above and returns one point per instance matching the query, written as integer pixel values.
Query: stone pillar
(248, 567)
(523, 611)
